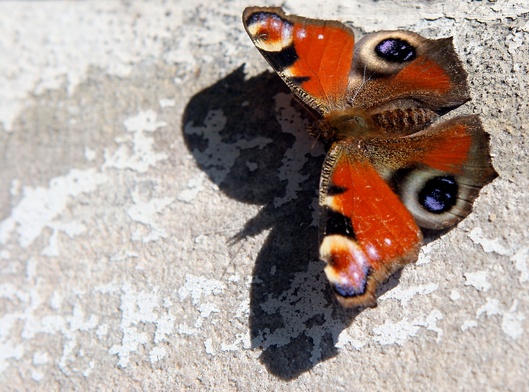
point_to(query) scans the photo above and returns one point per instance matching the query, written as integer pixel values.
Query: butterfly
(394, 165)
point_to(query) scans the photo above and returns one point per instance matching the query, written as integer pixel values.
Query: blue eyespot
(439, 194)
(395, 50)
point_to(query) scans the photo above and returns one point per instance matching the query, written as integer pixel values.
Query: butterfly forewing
(312, 56)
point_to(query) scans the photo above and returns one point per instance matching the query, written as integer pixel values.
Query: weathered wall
(157, 213)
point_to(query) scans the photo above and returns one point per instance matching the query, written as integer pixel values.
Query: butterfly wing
(401, 69)
(366, 232)
(313, 57)
(437, 172)
(374, 194)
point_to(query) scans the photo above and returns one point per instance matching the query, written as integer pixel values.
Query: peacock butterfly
(393, 163)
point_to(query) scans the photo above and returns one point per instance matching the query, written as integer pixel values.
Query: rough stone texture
(157, 213)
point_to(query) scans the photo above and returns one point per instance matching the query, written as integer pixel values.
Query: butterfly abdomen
(403, 121)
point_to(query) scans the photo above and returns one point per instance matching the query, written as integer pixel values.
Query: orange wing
(313, 57)
(370, 224)
(367, 233)
(439, 171)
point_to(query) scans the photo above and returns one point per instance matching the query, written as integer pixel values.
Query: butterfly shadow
(232, 130)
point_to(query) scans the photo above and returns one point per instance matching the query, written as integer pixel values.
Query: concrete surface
(157, 212)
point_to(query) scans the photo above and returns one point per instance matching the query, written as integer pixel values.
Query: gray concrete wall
(157, 210)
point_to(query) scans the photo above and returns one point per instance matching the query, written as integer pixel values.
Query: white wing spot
(302, 33)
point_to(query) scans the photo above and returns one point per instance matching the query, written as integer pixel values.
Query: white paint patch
(397, 333)
(148, 213)
(36, 375)
(454, 295)
(520, 260)
(142, 156)
(491, 308)
(194, 187)
(426, 252)
(86, 373)
(164, 328)
(468, 324)
(219, 156)
(209, 347)
(167, 103)
(40, 358)
(76, 320)
(89, 154)
(198, 287)
(478, 280)
(293, 162)
(345, 340)
(243, 310)
(252, 166)
(137, 308)
(9, 351)
(242, 341)
(8, 291)
(512, 320)
(488, 245)
(404, 295)
(201, 291)
(71, 229)
(157, 354)
(39, 207)
(102, 331)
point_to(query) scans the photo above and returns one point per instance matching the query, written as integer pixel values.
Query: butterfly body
(393, 164)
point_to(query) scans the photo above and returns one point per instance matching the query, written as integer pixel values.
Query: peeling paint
(400, 331)
(511, 319)
(157, 354)
(68, 57)
(454, 295)
(194, 187)
(521, 263)
(167, 103)
(208, 344)
(136, 308)
(219, 157)
(293, 162)
(489, 245)
(147, 213)
(468, 324)
(142, 156)
(198, 287)
(404, 295)
(478, 280)
(40, 207)
(345, 340)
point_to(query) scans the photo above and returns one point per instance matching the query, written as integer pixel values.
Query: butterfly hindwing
(437, 172)
(366, 232)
